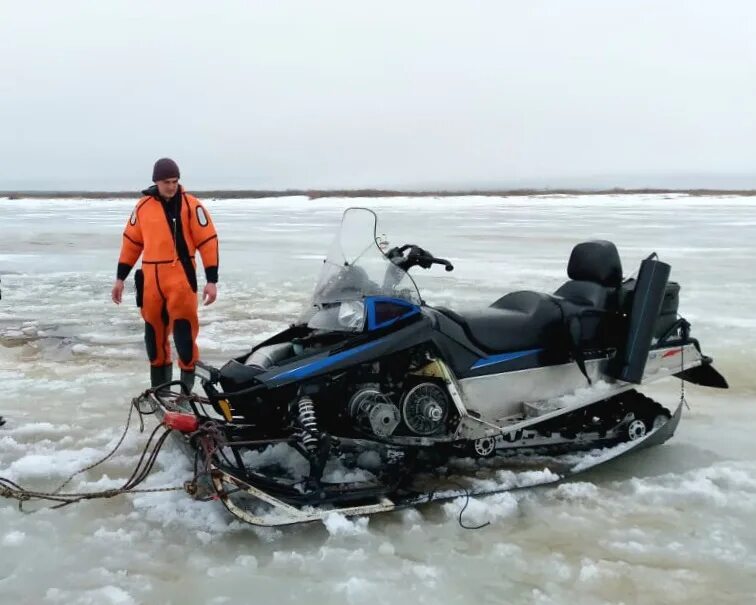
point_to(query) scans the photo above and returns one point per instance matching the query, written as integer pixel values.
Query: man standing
(167, 226)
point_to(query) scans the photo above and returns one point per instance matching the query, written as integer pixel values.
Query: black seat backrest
(598, 262)
(595, 270)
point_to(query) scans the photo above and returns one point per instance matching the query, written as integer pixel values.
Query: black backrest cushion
(596, 261)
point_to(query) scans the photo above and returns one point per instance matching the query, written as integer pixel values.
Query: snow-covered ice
(672, 524)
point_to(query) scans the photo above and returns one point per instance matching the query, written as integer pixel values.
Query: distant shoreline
(374, 193)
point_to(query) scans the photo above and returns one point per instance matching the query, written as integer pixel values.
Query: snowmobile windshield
(356, 268)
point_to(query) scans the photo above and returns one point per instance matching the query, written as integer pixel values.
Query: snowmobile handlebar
(416, 256)
(445, 263)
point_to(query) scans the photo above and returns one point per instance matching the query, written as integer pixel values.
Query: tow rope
(12, 490)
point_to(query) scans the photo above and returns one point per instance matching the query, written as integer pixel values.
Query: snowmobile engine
(425, 408)
(374, 412)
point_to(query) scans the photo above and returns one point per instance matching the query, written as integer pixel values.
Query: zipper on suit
(175, 244)
(175, 239)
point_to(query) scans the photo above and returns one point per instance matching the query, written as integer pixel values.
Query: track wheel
(484, 447)
(636, 429)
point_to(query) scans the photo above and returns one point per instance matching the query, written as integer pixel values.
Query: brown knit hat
(165, 168)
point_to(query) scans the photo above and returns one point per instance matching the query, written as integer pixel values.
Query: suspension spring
(307, 420)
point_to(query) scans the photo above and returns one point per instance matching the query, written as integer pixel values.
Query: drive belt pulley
(425, 408)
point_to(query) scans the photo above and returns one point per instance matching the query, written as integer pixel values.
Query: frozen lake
(674, 524)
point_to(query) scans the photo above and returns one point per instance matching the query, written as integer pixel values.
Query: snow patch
(339, 525)
(482, 510)
(593, 573)
(426, 573)
(336, 472)
(248, 561)
(576, 491)
(280, 454)
(387, 549)
(13, 538)
(356, 589)
(118, 535)
(39, 429)
(47, 466)
(107, 595)
(410, 516)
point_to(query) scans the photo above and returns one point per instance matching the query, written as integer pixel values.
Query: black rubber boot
(187, 379)
(160, 375)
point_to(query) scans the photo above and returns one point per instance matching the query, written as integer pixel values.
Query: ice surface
(672, 524)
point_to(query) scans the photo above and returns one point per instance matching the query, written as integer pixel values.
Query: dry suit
(168, 234)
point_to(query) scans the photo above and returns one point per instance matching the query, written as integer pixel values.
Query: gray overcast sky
(358, 93)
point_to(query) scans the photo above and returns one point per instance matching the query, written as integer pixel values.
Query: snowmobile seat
(585, 293)
(530, 320)
(517, 321)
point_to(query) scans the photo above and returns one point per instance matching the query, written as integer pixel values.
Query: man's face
(167, 188)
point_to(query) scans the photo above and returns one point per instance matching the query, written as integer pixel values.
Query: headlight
(339, 317)
(352, 315)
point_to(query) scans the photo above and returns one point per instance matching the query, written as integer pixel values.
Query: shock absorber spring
(309, 433)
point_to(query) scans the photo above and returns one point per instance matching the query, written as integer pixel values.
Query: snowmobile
(376, 400)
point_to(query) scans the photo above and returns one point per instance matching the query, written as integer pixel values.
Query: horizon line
(377, 192)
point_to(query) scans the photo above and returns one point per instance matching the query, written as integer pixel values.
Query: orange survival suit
(167, 234)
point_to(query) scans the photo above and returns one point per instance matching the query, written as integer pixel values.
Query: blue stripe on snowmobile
(315, 366)
(489, 361)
